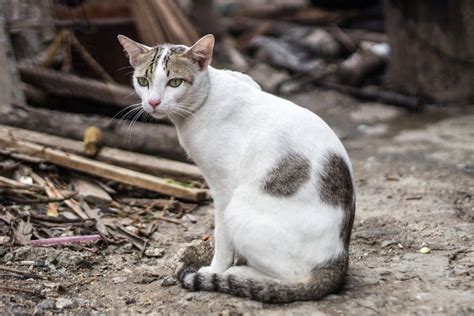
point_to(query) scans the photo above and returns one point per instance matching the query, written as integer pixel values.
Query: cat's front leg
(223, 247)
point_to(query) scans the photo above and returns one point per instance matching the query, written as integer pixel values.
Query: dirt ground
(415, 186)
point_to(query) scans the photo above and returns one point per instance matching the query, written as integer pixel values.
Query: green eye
(176, 82)
(142, 81)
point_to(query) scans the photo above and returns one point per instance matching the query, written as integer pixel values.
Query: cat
(281, 180)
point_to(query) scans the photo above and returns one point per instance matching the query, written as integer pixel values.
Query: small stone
(119, 279)
(425, 250)
(63, 302)
(145, 278)
(155, 252)
(168, 281)
(387, 243)
(46, 304)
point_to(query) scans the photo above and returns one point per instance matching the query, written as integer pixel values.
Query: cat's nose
(154, 103)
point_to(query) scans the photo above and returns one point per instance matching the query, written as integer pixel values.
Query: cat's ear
(201, 51)
(134, 50)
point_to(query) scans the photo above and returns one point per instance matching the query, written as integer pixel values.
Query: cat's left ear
(201, 51)
(134, 50)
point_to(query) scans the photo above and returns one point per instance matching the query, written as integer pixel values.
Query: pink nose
(154, 103)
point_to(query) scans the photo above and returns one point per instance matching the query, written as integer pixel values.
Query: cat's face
(169, 78)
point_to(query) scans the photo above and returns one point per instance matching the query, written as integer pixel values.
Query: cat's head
(170, 79)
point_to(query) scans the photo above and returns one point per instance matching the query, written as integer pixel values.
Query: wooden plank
(139, 162)
(104, 170)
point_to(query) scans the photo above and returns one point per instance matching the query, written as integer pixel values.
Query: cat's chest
(216, 152)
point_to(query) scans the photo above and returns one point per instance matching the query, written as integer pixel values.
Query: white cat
(280, 178)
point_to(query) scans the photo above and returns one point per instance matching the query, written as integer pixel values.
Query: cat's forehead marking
(173, 50)
(289, 174)
(335, 188)
(156, 53)
(178, 66)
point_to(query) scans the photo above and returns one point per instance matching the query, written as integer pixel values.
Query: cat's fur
(281, 179)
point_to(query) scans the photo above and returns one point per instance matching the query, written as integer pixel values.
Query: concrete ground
(415, 186)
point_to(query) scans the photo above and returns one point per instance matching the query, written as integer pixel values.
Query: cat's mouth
(158, 113)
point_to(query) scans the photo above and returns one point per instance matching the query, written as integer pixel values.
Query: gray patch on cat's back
(291, 172)
(335, 188)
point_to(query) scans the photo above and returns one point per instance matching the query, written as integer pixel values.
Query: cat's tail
(247, 282)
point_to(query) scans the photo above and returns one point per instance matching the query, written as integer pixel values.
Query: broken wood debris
(139, 162)
(55, 241)
(104, 170)
(161, 21)
(153, 139)
(62, 84)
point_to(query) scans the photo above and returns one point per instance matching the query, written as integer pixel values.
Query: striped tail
(323, 280)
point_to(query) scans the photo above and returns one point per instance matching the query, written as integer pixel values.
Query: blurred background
(63, 55)
(81, 166)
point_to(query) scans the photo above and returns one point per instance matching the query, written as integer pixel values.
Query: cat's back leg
(285, 238)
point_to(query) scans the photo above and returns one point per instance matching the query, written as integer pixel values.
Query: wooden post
(432, 48)
(10, 88)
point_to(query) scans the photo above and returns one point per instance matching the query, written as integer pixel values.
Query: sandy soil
(415, 187)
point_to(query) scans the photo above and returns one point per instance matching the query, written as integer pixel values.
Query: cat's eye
(142, 81)
(176, 82)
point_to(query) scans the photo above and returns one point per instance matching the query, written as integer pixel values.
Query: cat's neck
(226, 97)
(199, 99)
(208, 93)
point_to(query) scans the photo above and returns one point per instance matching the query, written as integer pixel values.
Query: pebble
(145, 278)
(168, 281)
(155, 252)
(46, 304)
(63, 302)
(119, 279)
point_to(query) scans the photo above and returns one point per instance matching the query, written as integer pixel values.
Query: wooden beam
(139, 162)
(66, 85)
(104, 170)
(10, 89)
(152, 139)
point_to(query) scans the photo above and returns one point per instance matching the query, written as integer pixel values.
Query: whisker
(130, 128)
(127, 117)
(125, 109)
(126, 67)
(130, 113)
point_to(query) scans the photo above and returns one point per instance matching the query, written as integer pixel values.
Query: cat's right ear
(201, 51)
(134, 50)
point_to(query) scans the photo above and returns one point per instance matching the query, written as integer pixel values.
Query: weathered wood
(153, 139)
(104, 170)
(90, 191)
(172, 19)
(374, 94)
(368, 59)
(10, 90)
(66, 85)
(139, 162)
(432, 48)
(148, 27)
(282, 54)
(242, 25)
(160, 21)
(32, 23)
